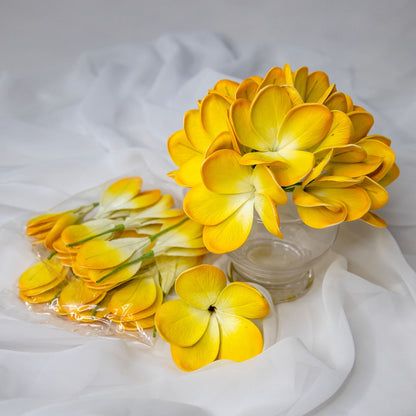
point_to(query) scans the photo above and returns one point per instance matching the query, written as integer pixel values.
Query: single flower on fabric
(280, 133)
(211, 320)
(224, 203)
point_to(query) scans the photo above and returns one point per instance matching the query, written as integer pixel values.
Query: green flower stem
(119, 227)
(145, 256)
(52, 254)
(154, 236)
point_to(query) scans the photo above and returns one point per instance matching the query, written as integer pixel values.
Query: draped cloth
(345, 348)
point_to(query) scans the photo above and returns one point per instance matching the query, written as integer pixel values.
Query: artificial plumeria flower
(205, 130)
(211, 320)
(280, 132)
(224, 202)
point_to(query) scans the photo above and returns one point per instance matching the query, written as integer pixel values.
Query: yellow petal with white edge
(374, 220)
(120, 192)
(214, 114)
(265, 183)
(322, 217)
(304, 126)
(143, 200)
(136, 296)
(316, 86)
(298, 165)
(64, 221)
(200, 354)
(339, 133)
(181, 324)
(241, 121)
(222, 173)
(201, 285)
(106, 254)
(362, 122)
(78, 232)
(354, 198)
(180, 148)
(268, 111)
(195, 132)
(240, 338)
(267, 211)
(231, 233)
(378, 195)
(40, 274)
(242, 299)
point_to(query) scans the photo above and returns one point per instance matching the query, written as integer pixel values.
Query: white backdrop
(70, 120)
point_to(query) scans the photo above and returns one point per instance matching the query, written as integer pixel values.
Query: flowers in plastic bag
(211, 320)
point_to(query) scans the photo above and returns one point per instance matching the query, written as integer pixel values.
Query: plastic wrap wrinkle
(347, 347)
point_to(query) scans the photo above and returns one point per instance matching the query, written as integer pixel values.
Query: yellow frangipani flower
(211, 320)
(205, 130)
(280, 132)
(224, 202)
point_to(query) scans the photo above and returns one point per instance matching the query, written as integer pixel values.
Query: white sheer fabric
(346, 348)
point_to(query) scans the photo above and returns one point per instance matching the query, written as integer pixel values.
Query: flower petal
(248, 88)
(106, 254)
(240, 338)
(362, 122)
(78, 232)
(241, 121)
(232, 232)
(195, 131)
(337, 101)
(180, 148)
(376, 192)
(242, 299)
(366, 167)
(298, 165)
(265, 183)
(136, 296)
(181, 324)
(268, 213)
(304, 126)
(390, 176)
(226, 88)
(374, 220)
(120, 192)
(268, 111)
(339, 133)
(189, 174)
(275, 76)
(300, 81)
(214, 114)
(64, 221)
(224, 140)
(222, 173)
(200, 354)
(316, 86)
(200, 285)
(210, 208)
(40, 275)
(321, 216)
(144, 199)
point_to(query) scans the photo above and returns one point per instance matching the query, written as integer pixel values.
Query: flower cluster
(249, 144)
(116, 265)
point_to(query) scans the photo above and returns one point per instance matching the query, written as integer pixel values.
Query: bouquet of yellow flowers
(248, 144)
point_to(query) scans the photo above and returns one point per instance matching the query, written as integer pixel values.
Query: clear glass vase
(283, 266)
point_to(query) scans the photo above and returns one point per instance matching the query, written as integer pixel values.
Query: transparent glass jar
(283, 266)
